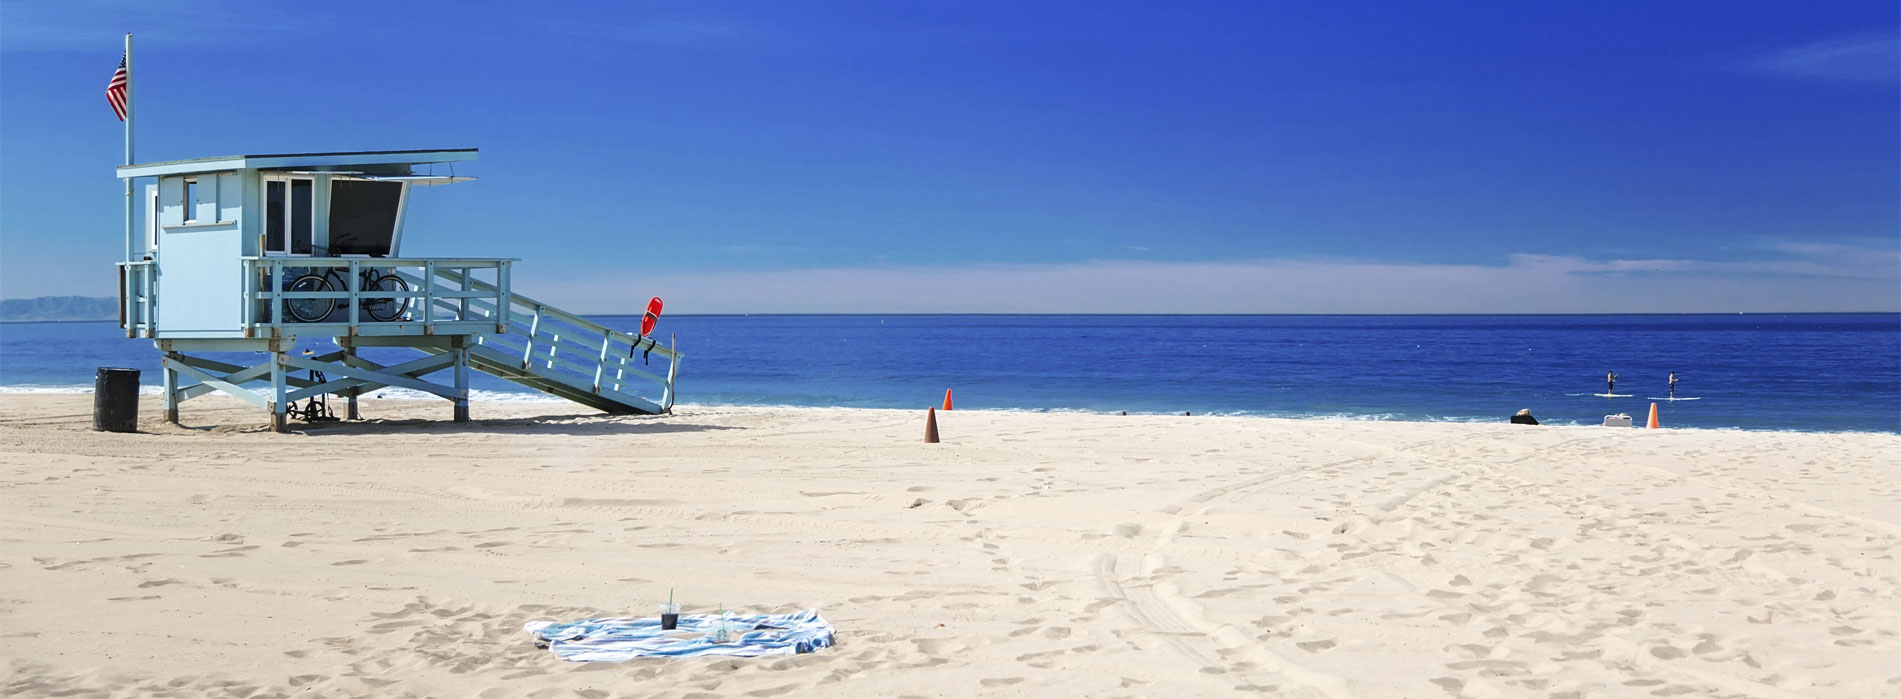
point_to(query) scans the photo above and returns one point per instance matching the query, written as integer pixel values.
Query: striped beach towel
(613, 639)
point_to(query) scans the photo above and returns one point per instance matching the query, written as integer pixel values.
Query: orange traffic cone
(930, 426)
(947, 400)
(1653, 416)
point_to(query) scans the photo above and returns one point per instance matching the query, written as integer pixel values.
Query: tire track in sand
(1219, 649)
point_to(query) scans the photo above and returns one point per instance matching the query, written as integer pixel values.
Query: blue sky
(992, 157)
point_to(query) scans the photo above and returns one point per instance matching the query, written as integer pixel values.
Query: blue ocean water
(1820, 372)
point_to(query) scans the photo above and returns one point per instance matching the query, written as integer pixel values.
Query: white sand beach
(1027, 555)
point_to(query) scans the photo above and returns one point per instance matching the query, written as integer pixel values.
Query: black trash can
(115, 400)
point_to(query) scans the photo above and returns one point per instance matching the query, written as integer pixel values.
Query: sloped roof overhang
(393, 162)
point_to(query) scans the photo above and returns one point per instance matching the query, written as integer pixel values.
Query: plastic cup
(669, 616)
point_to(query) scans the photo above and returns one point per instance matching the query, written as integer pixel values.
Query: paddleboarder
(1610, 379)
(1673, 384)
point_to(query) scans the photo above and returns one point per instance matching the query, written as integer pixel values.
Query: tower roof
(382, 162)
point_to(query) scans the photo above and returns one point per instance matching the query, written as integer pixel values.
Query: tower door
(151, 220)
(289, 208)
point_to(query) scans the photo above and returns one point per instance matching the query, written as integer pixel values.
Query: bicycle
(317, 409)
(373, 279)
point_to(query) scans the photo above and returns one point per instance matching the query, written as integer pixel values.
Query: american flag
(115, 90)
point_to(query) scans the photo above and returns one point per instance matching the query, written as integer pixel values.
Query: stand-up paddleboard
(1685, 398)
(1613, 395)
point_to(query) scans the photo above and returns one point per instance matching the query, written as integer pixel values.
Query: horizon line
(1168, 315)
(1554, 313)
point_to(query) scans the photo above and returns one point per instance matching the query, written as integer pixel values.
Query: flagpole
(129, 87)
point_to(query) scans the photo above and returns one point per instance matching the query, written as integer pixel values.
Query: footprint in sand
(773, 691)
(1668, 652)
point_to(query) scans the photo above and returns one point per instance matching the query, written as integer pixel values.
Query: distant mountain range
(47, 308)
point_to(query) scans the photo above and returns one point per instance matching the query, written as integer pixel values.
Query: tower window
(191, 199)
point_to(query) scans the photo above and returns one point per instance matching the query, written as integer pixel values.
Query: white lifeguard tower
(248, 253)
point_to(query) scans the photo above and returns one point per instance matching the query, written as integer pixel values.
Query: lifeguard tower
(249, 253)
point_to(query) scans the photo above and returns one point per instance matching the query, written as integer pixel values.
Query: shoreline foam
(478, 396)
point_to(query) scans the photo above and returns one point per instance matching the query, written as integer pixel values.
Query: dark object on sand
(1524, 418)
(115, 400)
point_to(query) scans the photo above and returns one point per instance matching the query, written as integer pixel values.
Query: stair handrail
(564, 316)
(536, 309)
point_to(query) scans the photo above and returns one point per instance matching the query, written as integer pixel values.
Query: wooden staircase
(562, 354)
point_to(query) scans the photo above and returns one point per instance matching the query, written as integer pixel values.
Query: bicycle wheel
(309, 310)
(385, 310)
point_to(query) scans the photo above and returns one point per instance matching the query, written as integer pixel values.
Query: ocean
(1809, 372)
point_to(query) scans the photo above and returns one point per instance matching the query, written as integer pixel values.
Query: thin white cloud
(1858, 58)
(1579, 265)
(1526, 284)
(1808, 249)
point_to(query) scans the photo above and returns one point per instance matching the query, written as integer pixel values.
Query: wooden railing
(438, 298)
(548, 340)
(138, 298)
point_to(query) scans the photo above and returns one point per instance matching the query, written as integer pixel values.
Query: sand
(1027, 555)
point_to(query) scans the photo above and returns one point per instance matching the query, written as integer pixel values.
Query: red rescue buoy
(653, 316)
